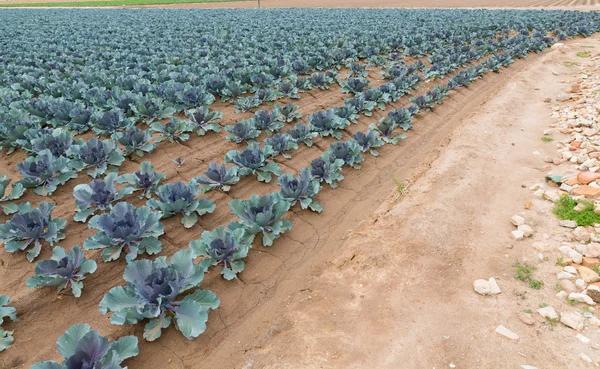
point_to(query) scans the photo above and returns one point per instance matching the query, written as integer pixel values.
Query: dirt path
(396, 291)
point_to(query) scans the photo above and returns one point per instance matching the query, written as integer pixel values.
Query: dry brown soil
(376, 280)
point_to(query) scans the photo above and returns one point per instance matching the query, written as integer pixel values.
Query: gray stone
(482, 287)
(568, 223)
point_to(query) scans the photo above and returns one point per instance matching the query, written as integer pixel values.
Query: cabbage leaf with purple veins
(288, 112)
(244, 104)
(151, 108)
(176, 130)
(15, 193)
(302, 133)
(83, 348)
(96, 156)
(44, 173)
(282, 143)
(227, 246)
(268, 121)
(204, 120)
(63, 270)
(368, 142)
(134, 140)
(326, 123)
(6, 338)
(346, 113)
(145, 180)
(29, 227)
(263, 215)
(302, 189)
(152, 292)
(97, 196)
(348, 151)
(180, 198)
(58, 142)
(242, 131)
(124, 225)
(358, 104)
(386, 128)
(327, 169)
(254, 161)
(354, 85)
(218, 178)
(109, 122)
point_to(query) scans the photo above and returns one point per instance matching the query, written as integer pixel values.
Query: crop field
(159, 166)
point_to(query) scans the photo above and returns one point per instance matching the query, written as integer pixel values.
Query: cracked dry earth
(376, 280)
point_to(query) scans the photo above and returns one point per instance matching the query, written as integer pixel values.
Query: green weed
(565, 209)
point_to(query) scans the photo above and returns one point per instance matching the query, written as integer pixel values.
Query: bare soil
(376, 280)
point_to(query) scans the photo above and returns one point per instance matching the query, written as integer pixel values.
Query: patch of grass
(588, 47)
(584, 54)
(528, 311)
(572, 302)
(524, 273)
(561, 262)
(400, 187)
(571, 64)
(565, 209)
(547, 139)
(536, 284)
(99, 3)
(543, 305)
(596, 268)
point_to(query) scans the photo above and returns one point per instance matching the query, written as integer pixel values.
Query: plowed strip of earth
(271, 315)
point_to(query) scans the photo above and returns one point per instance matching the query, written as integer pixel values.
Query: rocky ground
(564, 249)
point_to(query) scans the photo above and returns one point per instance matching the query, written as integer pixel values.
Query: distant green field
(109, 3)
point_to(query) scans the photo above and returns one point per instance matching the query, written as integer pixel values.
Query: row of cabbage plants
(47, 104)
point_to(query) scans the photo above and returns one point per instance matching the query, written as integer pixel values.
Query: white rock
(551, 196)
(482, 287)
(565, 249)
(572, 320)
(568, 223)
(570, 269)
(535, 187)
(581, 248)
(517, 220)
(528, 367)
(561, 295)
(586, 358)
(548, 312)
(576, 257)
(565, 275)
(494, 288)
(518, 235)
(580, 283)
(581, 234)
(581, 297)
(582, 338)
(503, 331)
(594, 321)
(539, 193)
(592, 250)
(565, 187)
(527, 230)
